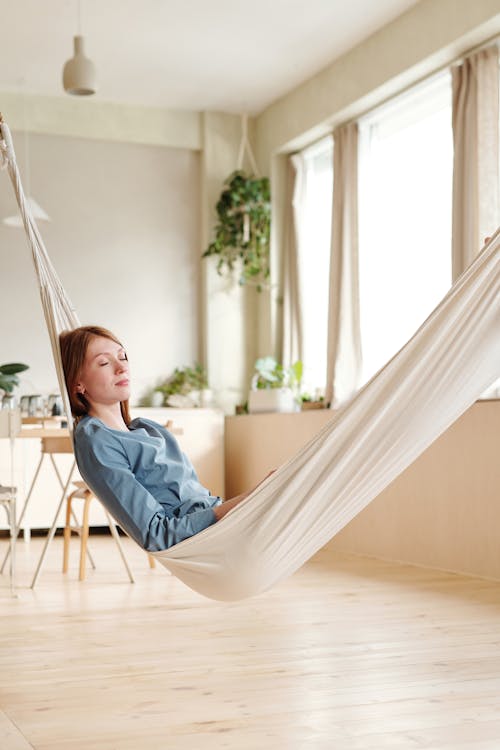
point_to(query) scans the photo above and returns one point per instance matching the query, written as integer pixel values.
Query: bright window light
(405, 214)
(314, 262)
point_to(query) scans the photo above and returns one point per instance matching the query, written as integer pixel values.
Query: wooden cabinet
(258, 443)
(443, 511)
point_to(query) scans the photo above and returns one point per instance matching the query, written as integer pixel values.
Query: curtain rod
(455, 61)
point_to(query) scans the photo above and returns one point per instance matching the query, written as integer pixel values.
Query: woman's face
(105, 375)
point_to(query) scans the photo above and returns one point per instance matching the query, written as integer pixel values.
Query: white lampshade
(38, 213)
(79, 76)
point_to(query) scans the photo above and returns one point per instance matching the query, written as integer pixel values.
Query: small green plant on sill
(316, 401)
(269, 373)
(183, 380)
(242, 233)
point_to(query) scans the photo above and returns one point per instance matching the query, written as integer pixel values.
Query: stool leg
(78, 526)
(84, 534)
(152, 563)
(67, 534)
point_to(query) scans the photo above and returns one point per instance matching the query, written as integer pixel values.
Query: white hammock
(441, 371)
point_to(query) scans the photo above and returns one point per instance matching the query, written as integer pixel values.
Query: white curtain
(476, 211)
(292, 347)
(344, 336)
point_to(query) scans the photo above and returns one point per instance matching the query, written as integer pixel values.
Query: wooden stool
(83, 492)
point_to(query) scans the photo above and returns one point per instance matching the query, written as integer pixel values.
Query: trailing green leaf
(242, 234)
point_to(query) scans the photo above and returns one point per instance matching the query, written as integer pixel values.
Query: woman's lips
(122, 382)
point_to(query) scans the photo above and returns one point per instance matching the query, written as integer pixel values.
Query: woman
(135, 467)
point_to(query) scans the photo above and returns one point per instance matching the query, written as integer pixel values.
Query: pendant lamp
(79, 76)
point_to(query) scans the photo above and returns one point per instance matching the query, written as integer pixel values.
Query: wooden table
(43, 432)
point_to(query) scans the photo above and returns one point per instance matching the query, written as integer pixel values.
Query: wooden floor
(359, 655)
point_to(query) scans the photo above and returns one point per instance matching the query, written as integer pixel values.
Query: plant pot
(271, 399)
(157, 399)
(204, 397)
(306, 405)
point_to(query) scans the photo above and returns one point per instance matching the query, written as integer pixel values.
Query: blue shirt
(144, 480)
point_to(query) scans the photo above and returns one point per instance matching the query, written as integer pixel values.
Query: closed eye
(120, 359)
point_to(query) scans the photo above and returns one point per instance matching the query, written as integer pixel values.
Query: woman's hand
(221, 510)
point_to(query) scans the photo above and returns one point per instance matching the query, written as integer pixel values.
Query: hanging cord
(246, 147)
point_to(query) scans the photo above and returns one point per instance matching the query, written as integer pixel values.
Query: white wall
(124, 239)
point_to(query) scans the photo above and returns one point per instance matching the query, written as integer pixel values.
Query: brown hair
(74, 345)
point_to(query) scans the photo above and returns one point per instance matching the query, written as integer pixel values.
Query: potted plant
(274, 387)
(9, 379)
(311, 402)
(186, 386)
(242, 234)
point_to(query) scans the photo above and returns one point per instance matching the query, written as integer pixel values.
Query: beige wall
(124, 238)
(95, 119)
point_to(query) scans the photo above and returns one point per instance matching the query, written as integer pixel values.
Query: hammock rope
(58, 311)
(448, 363)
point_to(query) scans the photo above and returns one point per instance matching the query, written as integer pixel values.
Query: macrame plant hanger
(246, 148)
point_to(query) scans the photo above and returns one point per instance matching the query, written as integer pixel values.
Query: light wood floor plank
(349, 654)
(10, 736)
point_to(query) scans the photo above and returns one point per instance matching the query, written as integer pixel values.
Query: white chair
(8, 501)
(10, 426)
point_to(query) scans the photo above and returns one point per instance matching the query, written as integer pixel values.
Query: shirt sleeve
(104, 466)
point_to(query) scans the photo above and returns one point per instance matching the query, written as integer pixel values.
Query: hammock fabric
(439, 373)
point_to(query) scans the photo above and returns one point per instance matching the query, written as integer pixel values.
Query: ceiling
(225, 55)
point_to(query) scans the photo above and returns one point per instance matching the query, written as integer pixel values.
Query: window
(314, 260)
(405, 216)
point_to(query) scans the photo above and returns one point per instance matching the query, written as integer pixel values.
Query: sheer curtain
(292, 304)
(344, 335)
(476, 212)
(306, 262)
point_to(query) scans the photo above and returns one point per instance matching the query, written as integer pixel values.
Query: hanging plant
(242, 234)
